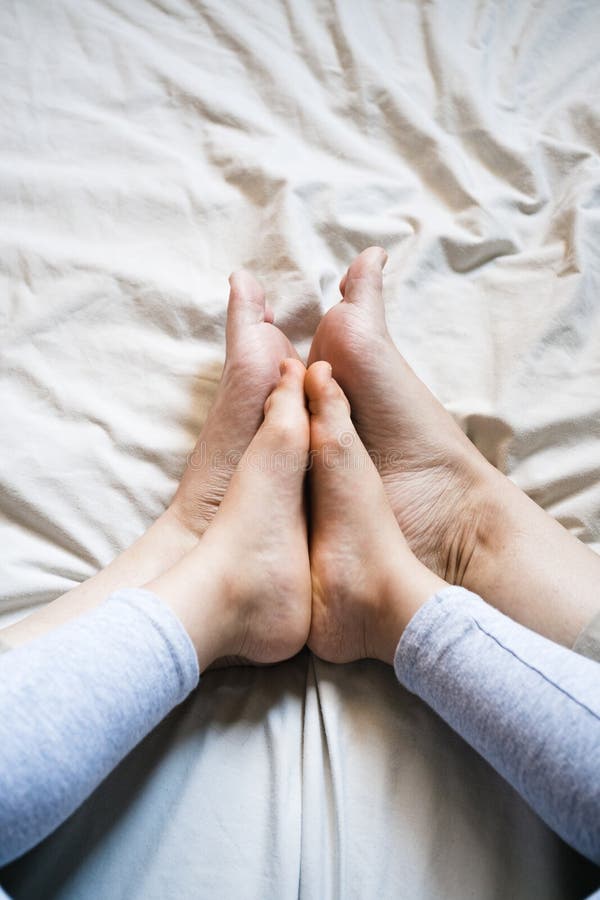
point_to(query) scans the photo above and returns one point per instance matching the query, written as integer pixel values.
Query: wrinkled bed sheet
(149, 148)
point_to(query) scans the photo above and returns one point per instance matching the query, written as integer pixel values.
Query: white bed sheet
(149, 148)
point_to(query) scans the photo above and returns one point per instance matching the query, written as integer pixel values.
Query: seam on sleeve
(536, 670)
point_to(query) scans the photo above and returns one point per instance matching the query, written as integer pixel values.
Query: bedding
(148, 148)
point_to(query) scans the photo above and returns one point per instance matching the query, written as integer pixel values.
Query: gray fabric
(75, 701)
(588, 642)
(104, 680)
(326, 835)
(529, 706)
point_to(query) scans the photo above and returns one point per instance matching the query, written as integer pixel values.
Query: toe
(325, 396)
(334, 441)
(363, 283)
(333, 437)
(290, 389)
(286, 417)
(246, 302)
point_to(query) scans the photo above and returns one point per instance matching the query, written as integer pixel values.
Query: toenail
(283, 366)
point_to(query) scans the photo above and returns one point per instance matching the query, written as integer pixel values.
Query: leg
(462, 518)
(527, 705)
(244, 591)
(88, 691)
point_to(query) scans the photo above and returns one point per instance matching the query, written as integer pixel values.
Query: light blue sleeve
(529, 706)
(74, 702)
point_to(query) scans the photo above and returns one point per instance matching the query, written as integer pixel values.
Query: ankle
(193, 507)
(196, 589)
(485, 532)
(177, 530)
(408, 587)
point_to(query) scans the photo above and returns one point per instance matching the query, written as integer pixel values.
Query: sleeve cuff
(415, 636)
(165, 622)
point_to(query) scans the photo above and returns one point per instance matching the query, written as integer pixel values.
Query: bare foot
(366, 582)
(436, 480)
(244, 591)
(255, 348)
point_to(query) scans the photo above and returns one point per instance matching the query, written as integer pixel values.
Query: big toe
(332, 431)
(286, 417)
(247, 304)
(363, 282)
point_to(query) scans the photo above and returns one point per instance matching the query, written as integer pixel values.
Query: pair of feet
(375, 536)
(259, 587)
